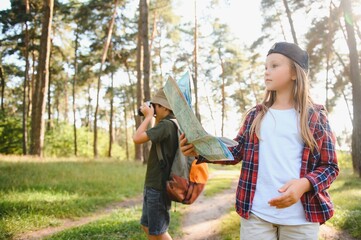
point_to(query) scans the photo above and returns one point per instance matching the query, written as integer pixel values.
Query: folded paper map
(210, 147)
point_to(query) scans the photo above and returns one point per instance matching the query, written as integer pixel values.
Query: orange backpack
(187, 179)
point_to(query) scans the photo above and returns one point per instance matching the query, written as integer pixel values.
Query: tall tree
(195, 56)
(111, 111)
(75, 77)
(290, 20)
(139, 68)
(356, 85)
(104, 56)
(2, 91)
(26, 80)
(42, 81)
(144, 11)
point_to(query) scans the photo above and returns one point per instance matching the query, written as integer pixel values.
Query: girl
(288, 155)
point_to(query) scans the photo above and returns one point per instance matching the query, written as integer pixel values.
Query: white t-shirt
(280, 157)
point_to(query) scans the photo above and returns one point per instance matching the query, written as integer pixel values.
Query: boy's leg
(298, 232)
(256, 228)
(144, 217)
(155, 216)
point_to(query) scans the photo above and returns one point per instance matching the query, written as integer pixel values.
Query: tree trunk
(41, 86)
(356, 86)
(152, 37)
(65, 97)
(138, 119)
(31, 84)
(49, 122)
(126, 99)
(146, 64)
(281, 25)
(195, 79)
(2, 83)
(328, 50)
(130, 89)
(73, 90)
(222, 92)
(289, 16)
(111, 130)
(26, 81)
(104, 56)
(88, 109)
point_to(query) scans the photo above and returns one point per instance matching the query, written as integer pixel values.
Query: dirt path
(69, 223)
(201, 219)
(330, 233)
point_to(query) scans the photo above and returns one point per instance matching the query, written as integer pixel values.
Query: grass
(38, 193)
(230, 226)
(345, 193)
(221, 182)
(123, 224)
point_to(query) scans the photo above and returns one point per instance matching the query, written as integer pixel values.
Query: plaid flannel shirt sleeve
(327, 170)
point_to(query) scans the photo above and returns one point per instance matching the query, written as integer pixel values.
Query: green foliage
(10, 134)
(59, 141)
(39, 194)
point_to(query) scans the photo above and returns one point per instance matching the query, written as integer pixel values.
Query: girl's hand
(292, 192)
(187, 148)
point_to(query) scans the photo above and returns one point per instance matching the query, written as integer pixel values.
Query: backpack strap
(162, 162)
(164, 166)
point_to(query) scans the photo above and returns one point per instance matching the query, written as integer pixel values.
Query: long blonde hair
(303, 103)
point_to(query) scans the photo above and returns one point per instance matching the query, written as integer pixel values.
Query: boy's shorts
(155, 213)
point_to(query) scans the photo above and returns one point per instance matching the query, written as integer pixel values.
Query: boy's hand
(292, 192)
(148, 111)
(187, 148)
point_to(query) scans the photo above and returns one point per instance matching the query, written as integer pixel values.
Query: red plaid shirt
(318, 166)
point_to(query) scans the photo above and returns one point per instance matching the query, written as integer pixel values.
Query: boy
(155, 214)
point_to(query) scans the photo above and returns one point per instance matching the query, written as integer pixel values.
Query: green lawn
(38, 193)
(346, 194)
(123, 224)
(222, 181)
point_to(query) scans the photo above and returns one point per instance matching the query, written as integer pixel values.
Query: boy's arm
(140, 135)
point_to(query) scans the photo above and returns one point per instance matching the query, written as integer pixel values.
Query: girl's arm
(327, 170)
